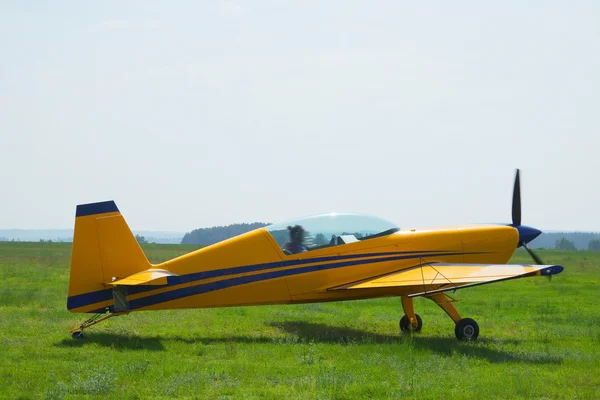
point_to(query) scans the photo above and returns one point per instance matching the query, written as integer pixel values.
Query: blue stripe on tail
(96, 208)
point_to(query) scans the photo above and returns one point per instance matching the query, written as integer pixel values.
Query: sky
(194, 114)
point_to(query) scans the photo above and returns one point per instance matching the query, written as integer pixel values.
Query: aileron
(431, 277)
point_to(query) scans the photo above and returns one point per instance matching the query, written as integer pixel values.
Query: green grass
(538, 340)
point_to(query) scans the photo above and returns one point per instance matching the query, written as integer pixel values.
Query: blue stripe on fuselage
(226, 283)
(85, 299)
(196, 276)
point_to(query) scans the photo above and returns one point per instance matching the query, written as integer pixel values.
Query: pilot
(296, 243)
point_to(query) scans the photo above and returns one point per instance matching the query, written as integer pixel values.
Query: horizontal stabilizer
(153, 277)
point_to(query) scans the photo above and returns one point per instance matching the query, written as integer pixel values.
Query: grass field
(538, 339)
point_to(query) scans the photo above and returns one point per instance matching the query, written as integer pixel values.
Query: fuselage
(252, 269)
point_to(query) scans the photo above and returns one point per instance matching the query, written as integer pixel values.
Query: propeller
(516, 201)
(526, 233)
(535, 257)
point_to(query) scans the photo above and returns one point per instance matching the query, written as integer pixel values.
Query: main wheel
(407, 327)
(77, 335)
(466, 329)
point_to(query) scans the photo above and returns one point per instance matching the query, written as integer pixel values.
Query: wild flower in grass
(331, 380)
(222, 379)
(180, 382)
(57, 392)
(136, 368)
(308, 353)
(99, 381)
(273, 380)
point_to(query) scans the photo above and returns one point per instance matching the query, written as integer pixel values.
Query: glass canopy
(310, 233)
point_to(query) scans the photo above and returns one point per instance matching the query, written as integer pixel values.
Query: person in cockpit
(296, 243)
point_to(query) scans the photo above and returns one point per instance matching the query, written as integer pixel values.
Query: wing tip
(552, 270)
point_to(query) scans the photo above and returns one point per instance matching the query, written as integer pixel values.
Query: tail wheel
(466, 329)
(77, 335)
(407, 327)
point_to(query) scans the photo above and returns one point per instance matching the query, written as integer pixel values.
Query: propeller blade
(536, 258)
(516, 201)
(523, 230)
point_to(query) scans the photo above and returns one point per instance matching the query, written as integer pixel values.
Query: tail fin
(104, 250)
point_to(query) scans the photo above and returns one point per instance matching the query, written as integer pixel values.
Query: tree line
(572, 240)
(215, 234)
(565, 244)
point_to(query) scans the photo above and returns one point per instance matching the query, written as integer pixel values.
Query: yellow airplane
(330, 257)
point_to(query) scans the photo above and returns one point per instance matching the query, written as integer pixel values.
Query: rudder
(104, 250)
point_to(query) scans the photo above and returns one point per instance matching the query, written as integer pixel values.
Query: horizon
(216, 226)
(164, 233)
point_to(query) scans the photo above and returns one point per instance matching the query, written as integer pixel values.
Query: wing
(148, 277)
(439, 277)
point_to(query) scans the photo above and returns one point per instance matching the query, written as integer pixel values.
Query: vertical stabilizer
(104, 249)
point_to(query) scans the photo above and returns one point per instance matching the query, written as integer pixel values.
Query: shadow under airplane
(304, 331)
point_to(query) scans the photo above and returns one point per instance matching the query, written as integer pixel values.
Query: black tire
(407, 327)
(77, 335)
(466, 329)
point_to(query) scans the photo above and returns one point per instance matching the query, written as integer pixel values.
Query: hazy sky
(199, 113)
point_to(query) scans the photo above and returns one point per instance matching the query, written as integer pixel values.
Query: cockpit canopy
(328, 230)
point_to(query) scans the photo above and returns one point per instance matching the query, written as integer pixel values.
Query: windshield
(310, 233)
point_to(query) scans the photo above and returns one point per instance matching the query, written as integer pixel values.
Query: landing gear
(77, 335)
(407, 327)
(466, 329)
(410, 322)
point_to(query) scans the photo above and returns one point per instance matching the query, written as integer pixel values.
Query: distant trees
(565, 244)
(547, 240)
(320, 240)
(594, 245)
(281, 236)
(208, 236)
(3, 239)
(357, 235)
(140, 239)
